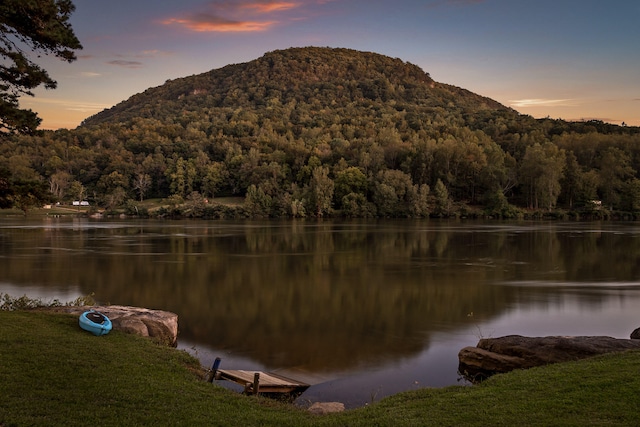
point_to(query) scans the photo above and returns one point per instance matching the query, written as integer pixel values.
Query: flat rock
(321, 408)
(157, 324)
(504, 354)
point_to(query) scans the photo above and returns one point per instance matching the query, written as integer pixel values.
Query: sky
(568, 59)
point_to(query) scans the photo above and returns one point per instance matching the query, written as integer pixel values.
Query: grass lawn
(53, 373)
(150, 205)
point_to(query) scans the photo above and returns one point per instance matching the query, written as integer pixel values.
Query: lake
(360, 309)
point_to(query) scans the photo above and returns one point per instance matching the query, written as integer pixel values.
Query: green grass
(151, 205)
(53, 373)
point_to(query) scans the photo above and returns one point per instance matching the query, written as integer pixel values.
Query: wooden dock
(255, 382)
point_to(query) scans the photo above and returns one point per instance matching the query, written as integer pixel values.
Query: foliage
(41, 26)
(541, 170)
(22, 193)
(310, 132)
(496, 205)
(9, 303)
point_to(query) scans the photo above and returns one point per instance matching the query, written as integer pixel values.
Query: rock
(635, 335)
(157, 324)
(322, 408)
(477, 361)
(504, 354)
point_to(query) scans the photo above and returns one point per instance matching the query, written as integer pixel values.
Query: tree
(41, 26)
(21, 192)
(196, 204)
(115, 198)
(141, 183)
(350, 180)
(393, 193)
(77, 190)
(541, 169)
(216, 174)
(257, 202)
(443, 203)
(631, 193)
(615, 171)
(108, 183)
(6, 191)
(420, 200)
(59, 182)
(321, 187)
(181, 177)
(386, 199)
(571, 179)
(355, 205)
(28, 194)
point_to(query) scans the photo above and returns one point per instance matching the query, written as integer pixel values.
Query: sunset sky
(569, 59)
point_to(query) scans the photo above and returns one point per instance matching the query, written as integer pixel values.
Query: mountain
(317, 132)
(322, 78)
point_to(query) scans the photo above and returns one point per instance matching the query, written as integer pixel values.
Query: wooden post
(214, 370)
(256, 382)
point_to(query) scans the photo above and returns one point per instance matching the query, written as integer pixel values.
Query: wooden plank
(268, 382)
(255, 382)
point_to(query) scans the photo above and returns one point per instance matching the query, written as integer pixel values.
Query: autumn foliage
(317, 132)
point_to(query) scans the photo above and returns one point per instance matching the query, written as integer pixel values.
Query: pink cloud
(201, 24)
(126, 64)
(235, 16)
(271, 6)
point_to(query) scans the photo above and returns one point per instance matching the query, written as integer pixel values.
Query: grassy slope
(66, 210)
(52, 373)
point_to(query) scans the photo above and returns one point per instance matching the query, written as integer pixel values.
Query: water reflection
(333, 298)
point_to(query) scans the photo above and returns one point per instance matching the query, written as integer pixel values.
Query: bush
(9, 303)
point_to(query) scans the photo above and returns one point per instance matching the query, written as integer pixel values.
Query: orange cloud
(537, 102)
(234, 16)
(272, 6)
(218, 25)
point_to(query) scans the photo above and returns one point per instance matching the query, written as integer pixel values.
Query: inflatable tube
(95, 322)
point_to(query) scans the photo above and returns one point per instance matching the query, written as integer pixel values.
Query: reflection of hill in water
(340, 321)
(293, 294)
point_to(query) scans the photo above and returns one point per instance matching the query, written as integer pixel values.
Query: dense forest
(318, 132)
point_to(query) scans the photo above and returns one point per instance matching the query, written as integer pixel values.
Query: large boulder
(504, 354)
(635, 335)
(160, 325)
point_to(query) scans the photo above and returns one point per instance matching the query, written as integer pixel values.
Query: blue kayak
(95, 322)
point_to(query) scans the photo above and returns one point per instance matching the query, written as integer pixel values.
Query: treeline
(325, 132)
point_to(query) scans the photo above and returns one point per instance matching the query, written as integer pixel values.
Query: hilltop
(319, 77)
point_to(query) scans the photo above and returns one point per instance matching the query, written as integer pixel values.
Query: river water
(359, 309)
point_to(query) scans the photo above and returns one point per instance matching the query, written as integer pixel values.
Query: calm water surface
(361, 310)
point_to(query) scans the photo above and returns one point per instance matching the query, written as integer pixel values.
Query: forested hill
(337, 80)
(310, 132)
